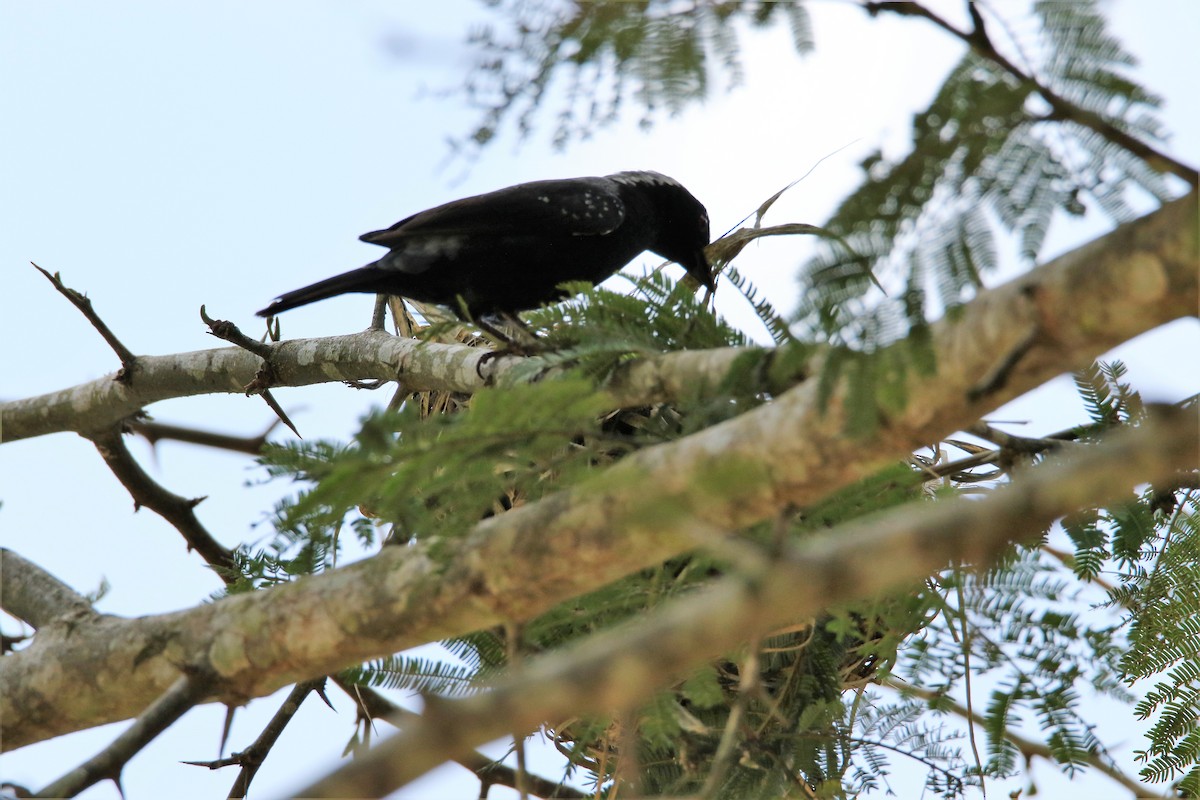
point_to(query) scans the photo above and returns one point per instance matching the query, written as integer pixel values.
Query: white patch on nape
(643, 178)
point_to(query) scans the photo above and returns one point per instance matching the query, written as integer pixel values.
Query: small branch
(378, 315)
(34, 596)
(154, 432)
(1068, 561)
(1063, 109)
(84, 304)
(179, 511)
(1017, 444)
(725, 249)
(997, 376)
(512, 639)
(373, 706)
(108, 763)
(265, 378)
(224, 329)
(1141, 275)
(748, 686)
(253, 756)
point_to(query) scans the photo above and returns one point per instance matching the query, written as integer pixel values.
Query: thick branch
(641, 511)
(370, 355)
(621, 668)
(101, 403)
(35, 596)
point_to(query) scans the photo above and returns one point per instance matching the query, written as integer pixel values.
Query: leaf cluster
(986, 151)
(657, 53)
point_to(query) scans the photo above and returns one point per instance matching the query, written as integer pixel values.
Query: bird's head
(682, 222)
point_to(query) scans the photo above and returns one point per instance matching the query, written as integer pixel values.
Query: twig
(34, 596)
(264, 379)
(512, 638)
(1062, 108)
(373, 706)
(966, 653)
(378, 314)
(224, 329)
(1068, 561)
(1023, 445)
(726, 248)
(84, 304)
(154, 432)
(179, 511)
(108, 763)
(253, 756)
(997, 376)
(748, 686)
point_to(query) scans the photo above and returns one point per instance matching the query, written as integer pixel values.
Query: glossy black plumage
(508, 250)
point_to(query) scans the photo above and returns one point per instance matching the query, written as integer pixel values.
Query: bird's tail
(364, 279)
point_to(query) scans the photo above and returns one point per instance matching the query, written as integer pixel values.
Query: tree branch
(253, 756)
(623, 667)
(788, 452)
(84, 304)
(1063, 108)
(1146, 278)
(179, 511)
(366, 356)
(34, 596)
(155, 432)
(373, 706)
(186, 692)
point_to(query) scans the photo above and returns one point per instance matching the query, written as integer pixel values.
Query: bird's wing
(578, 207)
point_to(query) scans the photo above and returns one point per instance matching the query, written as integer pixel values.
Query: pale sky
(165, 155)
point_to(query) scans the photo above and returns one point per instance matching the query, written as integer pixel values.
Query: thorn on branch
(154, 432)
(253, 756)
(979, 35)
(224, 329)
(270, 400)
(378, 313)
(179, 511)
(265, 378)
(84, 304)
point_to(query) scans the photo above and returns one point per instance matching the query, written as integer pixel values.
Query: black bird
(508, 250)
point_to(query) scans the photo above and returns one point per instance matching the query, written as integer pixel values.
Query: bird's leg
(511, 332)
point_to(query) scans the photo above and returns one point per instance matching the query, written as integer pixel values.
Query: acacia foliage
(987, 157)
